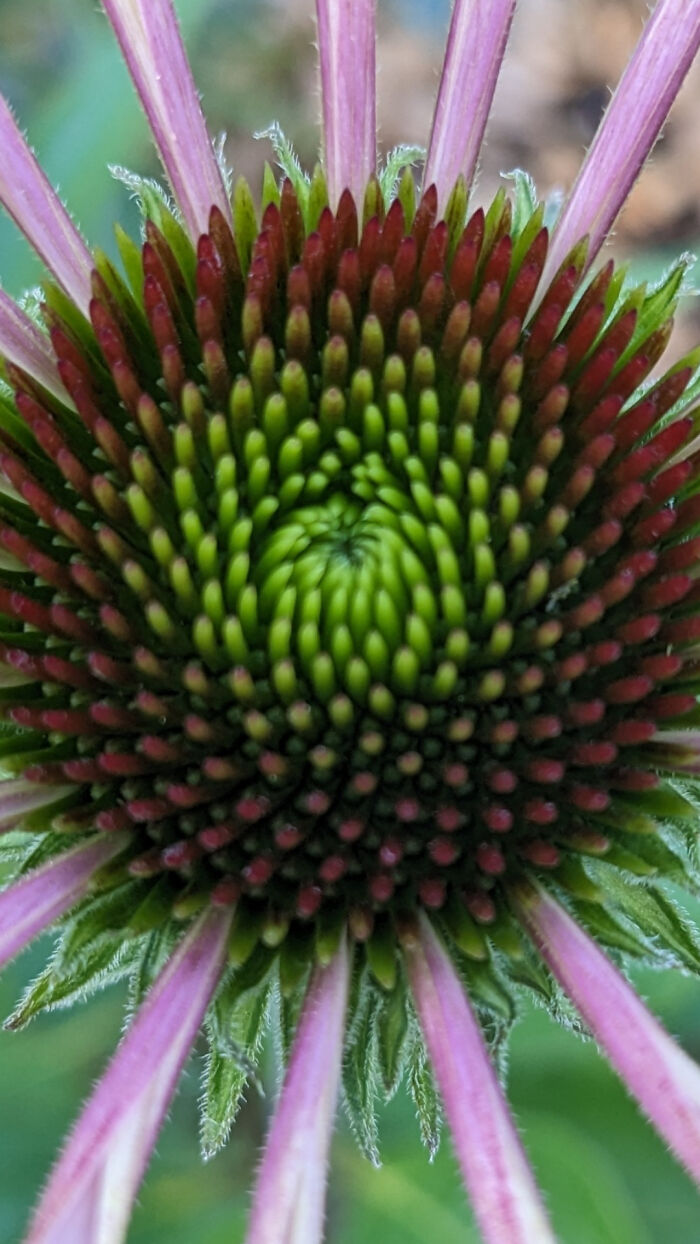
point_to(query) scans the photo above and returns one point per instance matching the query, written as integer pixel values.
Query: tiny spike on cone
(506, 1201)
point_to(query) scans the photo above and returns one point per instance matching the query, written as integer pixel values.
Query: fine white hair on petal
(31, 904)
(475, 47)
(36, 209)
(504, 1195)
(289, 1199)
(23, 344)
(90, 1191)
(664, 1080)
(628, 131)
(152, 46)
(346, 40)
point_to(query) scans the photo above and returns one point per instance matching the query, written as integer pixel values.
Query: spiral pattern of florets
(350, 582)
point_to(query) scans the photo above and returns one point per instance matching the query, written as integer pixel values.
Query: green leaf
(425, 1097)
(107, 913)
(392, 1030)
(487, 989)
(153, 954)
(237, 1026)
(318, 199)
(103, 963)
(288, 161)
(381, 953)
(359, 1075)
(608, 931)
(245, 222)
(657, 306)
(456, 213)
(400, 158)
(525, 200)
(657, 917)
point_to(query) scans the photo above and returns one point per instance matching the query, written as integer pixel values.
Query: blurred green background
(607, 1179)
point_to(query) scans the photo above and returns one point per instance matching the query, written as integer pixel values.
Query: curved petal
(22, 343)
(19, 798)
(348, 73)
(628, 130)
(665, 1081)
(37, 210)
(288, 1207)
(505, 1197)
(151, 42)
(30, 905)
(89, 1194)
(475, 48)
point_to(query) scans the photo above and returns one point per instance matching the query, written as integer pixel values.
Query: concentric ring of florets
(347, 587)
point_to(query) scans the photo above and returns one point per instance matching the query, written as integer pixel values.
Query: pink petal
(23, 344)
(37, 899)
(151, 42)
(19, 798)
(475, 48)
(348, 77)
(665, 1081)
(288, 1207)
(92, 1186)
(628, 130)
(504, 1195)
(36, 209)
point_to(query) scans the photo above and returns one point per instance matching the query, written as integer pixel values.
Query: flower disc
(352, 584)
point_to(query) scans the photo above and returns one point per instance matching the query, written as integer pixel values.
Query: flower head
(350, 621)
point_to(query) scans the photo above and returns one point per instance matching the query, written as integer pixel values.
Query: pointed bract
(475, 48)
(664, 1080)
(36, 209)
(90, 1192)
(23, 344)
(629, 129)
(289, 1202)
(503, 1192)
(346, 39)
(151, 42)
(31, 904)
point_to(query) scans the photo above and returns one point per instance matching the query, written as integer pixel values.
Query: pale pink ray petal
(151, 42)
(346, 41)
(23, 344)
(90, 1191)
(19, 798)
(665, 1081)
(289, 1202)
(629, 129)
(37, 210)
(475, 48)
(505, 1198)
(30, 905)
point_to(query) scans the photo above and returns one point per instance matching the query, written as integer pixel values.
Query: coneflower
(350, 623)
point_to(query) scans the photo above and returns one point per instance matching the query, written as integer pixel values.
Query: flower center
(366, 602)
